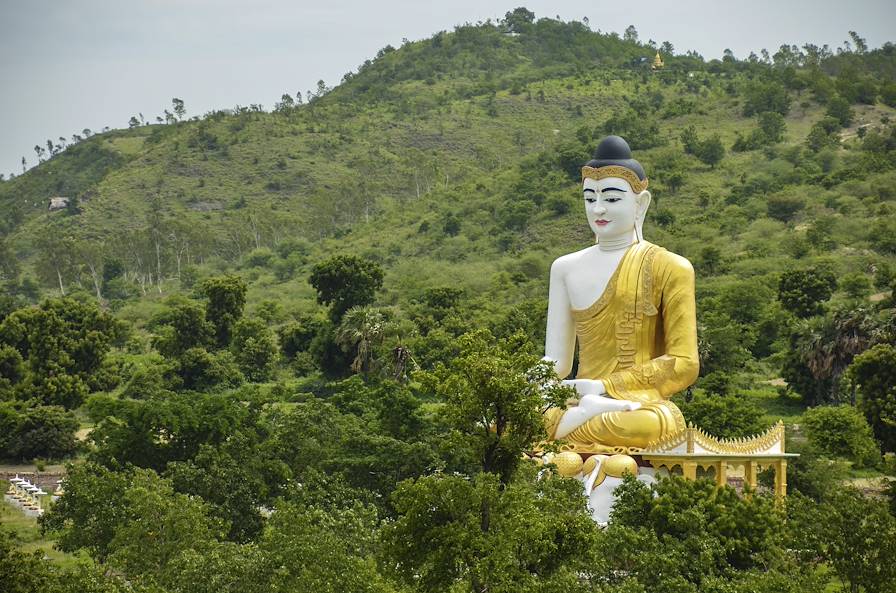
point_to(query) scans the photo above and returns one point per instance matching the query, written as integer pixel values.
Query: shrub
(260, 258)
(724, 416)
(839, 109)
(874, 372)
(841, 431)
(784, 207)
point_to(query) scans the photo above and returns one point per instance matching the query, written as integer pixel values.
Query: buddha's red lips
(601, 222)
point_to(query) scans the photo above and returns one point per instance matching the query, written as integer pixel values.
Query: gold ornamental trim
(598, 173)
(744, 446)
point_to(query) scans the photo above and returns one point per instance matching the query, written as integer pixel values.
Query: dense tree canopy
(378, 229)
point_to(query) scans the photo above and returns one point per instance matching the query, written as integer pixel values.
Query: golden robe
(640, 339)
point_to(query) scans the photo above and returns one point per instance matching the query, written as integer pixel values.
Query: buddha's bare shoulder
(572, 261)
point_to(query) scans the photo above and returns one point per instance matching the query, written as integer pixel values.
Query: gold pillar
(781, 478)
(721, 473)
(689, 469)
(750, 471)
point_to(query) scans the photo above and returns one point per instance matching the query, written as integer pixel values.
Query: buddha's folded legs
(635, 428)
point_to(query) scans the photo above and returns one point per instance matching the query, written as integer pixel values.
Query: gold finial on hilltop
(658, 61)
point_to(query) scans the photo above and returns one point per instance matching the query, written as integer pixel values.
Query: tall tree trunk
(159, 265)
(96, 281)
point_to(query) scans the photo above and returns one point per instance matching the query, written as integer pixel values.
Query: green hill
(237, 413)
(453, 161)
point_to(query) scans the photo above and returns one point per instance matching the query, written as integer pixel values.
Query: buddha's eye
(590, 199)
(612, 200)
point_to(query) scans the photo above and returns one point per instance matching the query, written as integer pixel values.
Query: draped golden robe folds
(640, 339)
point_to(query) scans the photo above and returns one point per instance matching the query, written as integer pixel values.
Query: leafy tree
(328, 354)
(841, 431)
(772, 126)
(690, 140)
(640, 130)
(226, 298)
(839, 109)
(200, 370)
(442, 301)
(229, 482)
(874, 373)
(571, 156)
(824, 134)
(127, 431)
(296, 337)
(854, 533)
(675, 179)
(710, 259)
(494, 398)
(54, 258)
(187, 328)
(63, 343)
(711, 151)
(803, 292)
(882, 236)
(518, 20)
(254, 349)
(705, 530)
(452, 225)
(317, 437)
(888, 94)
(149, 378)
(177, 105)
(856, 285)
(12, 367)
(160, 526)
(765, 95)
(23, 572)
(452, 533)
(91, 510)
(37, 432)
(344, 282)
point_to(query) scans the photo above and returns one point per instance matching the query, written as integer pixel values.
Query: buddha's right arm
(560, 336)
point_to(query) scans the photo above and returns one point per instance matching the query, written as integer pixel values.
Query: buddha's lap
(634, 428)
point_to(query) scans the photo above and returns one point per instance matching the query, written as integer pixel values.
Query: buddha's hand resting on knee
(592, 392)
(589, 406)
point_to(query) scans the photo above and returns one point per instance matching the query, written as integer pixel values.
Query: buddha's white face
(613, 208)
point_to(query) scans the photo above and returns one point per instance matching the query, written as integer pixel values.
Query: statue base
(691, 453)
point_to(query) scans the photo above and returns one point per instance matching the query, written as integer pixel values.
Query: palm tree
(830, 343)
(361, 330)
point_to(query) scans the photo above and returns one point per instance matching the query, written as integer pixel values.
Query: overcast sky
(66, 65)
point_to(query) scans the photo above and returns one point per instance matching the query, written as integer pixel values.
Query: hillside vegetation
(305, 309)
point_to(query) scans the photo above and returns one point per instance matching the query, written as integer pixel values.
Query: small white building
(58, 203)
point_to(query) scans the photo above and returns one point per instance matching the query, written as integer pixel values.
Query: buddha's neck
(616, 243)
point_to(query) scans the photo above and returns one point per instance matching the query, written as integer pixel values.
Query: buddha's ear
(643, 200)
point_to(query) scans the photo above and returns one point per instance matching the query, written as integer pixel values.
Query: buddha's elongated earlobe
(643, 203)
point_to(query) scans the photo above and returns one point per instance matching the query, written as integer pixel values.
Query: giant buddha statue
(630, 305)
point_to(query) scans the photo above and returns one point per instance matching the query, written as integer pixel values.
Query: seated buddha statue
(630, 305)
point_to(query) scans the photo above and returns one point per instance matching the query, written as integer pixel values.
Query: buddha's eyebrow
(588, 189)
(606, 189)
